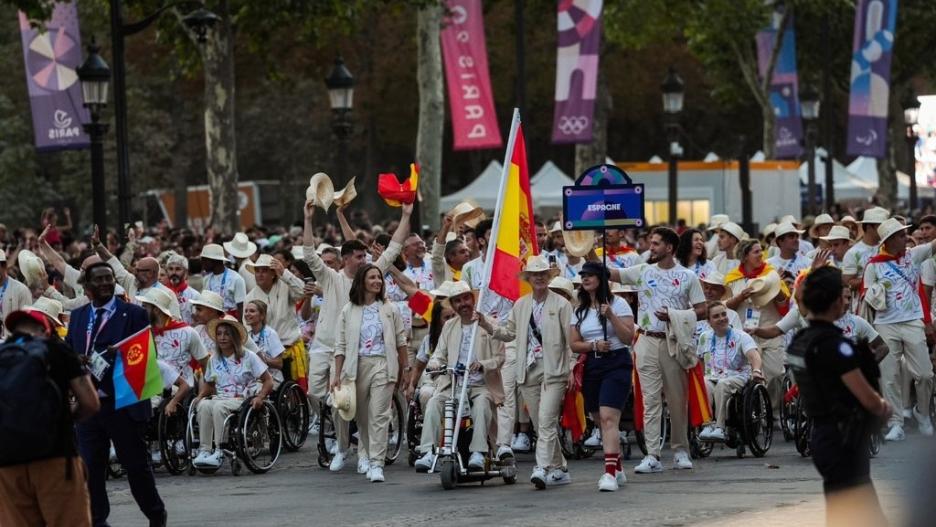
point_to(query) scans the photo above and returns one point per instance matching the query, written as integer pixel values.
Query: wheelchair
(252, 437)
(414, 421)
(169, 435)
(788, 407)
(749, 423)
(626, 427)
(292, 405)
(396, 435)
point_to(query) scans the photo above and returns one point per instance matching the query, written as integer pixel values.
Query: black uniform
(819, 355)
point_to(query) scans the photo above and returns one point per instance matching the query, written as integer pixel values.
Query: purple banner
(576, 70)
(784, 89)
(875, 21)
(52, 54)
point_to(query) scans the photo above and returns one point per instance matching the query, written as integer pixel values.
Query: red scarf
(755, 273)
(172, 324)
(620, 249)
(884, 257)
(183, 285)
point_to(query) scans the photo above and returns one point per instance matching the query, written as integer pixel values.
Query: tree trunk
(431, 111)
(588, 155)
(887, 166)
(220, 140)
(770, 122)
(178, 166)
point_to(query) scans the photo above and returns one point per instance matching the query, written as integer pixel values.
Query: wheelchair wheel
(874, 445)
(326, 431)
(788, 409)
(396, 433)
(802, 431)
(259, 437)
(699, 449)
(413, 429)
(171, 434)
(293, 408)
(757, 420)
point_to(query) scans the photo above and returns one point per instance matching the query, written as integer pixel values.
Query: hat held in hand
(321, 191)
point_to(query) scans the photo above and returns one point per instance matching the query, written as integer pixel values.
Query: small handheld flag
(395, 193)
(136, 374)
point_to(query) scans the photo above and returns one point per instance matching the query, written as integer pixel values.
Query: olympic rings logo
(573, 125)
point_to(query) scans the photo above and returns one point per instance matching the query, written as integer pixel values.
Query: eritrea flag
(136, 374)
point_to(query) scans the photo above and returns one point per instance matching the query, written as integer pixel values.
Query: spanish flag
(421, 304)
(395, 193)
(514, 232)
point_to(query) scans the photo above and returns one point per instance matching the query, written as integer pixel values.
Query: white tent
(847, 185)
(758, 156)
(655, 159)
(710, 157)
(865, 168)
(547, 184)
(483, 190)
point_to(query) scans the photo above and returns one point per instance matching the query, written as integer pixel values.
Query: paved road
(779, 489)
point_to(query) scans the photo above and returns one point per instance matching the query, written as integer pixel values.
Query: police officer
(838, 385)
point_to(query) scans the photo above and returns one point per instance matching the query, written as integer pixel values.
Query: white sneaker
(521, 443)
(907, 413)
(112, 456)
(363, 465)
(717, 434)
(924, 424)
(538, 478)
(706, 433)
(200, 458)
(331, 445)
(649, 465)
(375, 475)
(503, 452)
(156, 456)
(607, 483)
(594, 440)
(338, 462)
(214, 459)
(896, 433)
(620, 477)
(424, 463)
(476, 461)
(681, 460)
(558, 477)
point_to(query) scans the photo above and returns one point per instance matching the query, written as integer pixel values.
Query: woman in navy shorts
(603, 327)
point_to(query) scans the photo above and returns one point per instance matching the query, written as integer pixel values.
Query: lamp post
(94, 76)
(340, 86)
(911, 109)
(809, 105)
(673, 92)
(198, 21)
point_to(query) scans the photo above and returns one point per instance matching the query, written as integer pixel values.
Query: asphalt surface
(781, 488)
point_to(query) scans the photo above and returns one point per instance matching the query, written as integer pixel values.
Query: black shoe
(160, 521)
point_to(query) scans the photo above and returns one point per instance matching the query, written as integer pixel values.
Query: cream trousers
(544, 401)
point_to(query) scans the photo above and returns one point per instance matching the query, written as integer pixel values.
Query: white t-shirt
(793, 265)
(372, 341)
(464, 348)
(185, 306)
(534, 346)
(178, 347)
(168, 374)
(724, 356)
(852, 326)
(269, 344)
(900, 279)
(229, 285)
(733, 320)
(702, 270)
(590, 328)
(856, 258)
(674, 288)
(232, 377)
(804, 247)
(493, 305)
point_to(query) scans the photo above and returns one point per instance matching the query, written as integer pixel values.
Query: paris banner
(579, 24)
(784, 88)
(875, 21)
(52, 54)
(474, 121)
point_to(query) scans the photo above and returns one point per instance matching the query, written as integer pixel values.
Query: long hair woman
(691, 253)
(603, 328)
(370, 349)
(269, 346)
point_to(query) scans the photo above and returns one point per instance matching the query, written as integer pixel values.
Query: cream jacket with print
(486, 351)
(348, 340)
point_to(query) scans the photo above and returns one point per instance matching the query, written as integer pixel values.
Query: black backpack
(31, 404)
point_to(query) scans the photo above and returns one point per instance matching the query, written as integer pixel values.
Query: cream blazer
(554, 327)
(348, 338)
(486, 351)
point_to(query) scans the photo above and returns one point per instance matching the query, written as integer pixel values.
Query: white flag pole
(488, 265)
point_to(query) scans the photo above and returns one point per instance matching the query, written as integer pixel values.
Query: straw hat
(450, 289)
(297, 252)
(889, 228)
(345, 195)
(579, 243)
(466, 213)
(539, 264)
(717, 221)
(31, 266)
(838, 232)
(849, 220)
(764, 289)
(822, 219)
(48, 307)
(321, 191)
(717, 279)
(561, 284)
(159, 298)
(557, 227)
(875, 215)
(733, 229)
(786, 228)
(240, 246)
(789, 218)
(213, 251)
(343, 399)
(229, 320)
(209, 299)
(769, 229)
(264, 260)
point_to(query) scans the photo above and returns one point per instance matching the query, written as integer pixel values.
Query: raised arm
(392, 251)
(346, 231)
(51, 255)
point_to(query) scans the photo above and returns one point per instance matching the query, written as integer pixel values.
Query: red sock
(612, 463)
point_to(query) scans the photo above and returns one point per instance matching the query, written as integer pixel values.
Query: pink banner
(474, 120)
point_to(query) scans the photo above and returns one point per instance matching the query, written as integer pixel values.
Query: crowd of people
(331, 307)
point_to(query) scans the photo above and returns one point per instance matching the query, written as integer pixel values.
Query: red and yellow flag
(421, 304)
(514, 232)
(395, 193)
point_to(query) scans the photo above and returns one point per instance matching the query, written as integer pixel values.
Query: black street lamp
(809, 106)
(94, 76)
(340, 86)
(673, 94)
(911, 109)
(197, 21)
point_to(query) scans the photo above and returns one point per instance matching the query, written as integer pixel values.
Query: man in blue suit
(92, 331)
